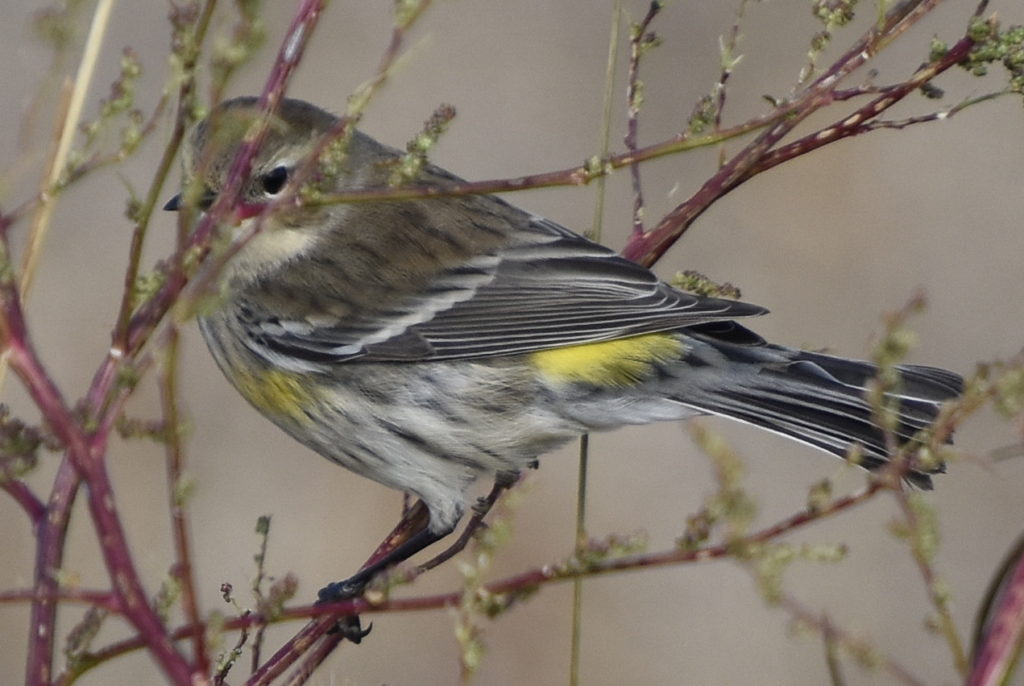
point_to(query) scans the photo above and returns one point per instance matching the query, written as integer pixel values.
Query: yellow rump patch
(622, 362)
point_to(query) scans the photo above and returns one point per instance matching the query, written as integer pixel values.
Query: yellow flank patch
(276, 393)
(622, 362)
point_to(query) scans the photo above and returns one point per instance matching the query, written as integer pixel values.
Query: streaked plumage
(426, 342)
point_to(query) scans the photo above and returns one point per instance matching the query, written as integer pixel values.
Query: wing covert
(546, 288)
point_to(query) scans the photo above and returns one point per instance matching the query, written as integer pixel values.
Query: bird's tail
(814, 398)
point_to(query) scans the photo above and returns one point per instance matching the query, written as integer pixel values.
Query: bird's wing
(552, 289)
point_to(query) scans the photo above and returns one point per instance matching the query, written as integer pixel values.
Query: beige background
(829, 243)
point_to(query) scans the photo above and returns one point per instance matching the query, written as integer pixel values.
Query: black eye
(274, 180)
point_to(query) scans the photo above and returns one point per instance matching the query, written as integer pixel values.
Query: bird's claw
(352, 629)
(349, 626)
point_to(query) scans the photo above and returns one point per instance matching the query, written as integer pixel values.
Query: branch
(1001, 627)
(324, 617)
(861, 649)
(647, 248)
(83, 459)
(186, 96)
(639, 42)
(860, 121)
(177, 496)
(23, 495)
(86, 455)
(50, 535)
(922, 538)
(68, 128)
(103, 599)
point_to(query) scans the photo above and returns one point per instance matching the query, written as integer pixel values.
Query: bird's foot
(346, 589)
(349, 626)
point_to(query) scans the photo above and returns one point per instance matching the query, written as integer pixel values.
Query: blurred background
(829, 243)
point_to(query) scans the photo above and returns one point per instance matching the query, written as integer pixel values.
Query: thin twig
(83, 458)
(297, 646)
(856, 645)
(51, 528)
(103, 599)
(88, 459)
(69, 126)
(175, 454)
(647, 248)
(576, 636)
(42, 197)
(830, 641)
(576, 632)
(474, 524)
(101, 159)
(263, 530)
(324, 616)
(936, 595)
(997, 643)
(50, 536)
(23, 495)
(860, 121)
(313, 659)
(729, 62)
(186, 93)
(570, 176)
(639, 41)
(149, 317)
(221, 675)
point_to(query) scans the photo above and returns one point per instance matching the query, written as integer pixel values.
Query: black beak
(174, 204)
(205, 202)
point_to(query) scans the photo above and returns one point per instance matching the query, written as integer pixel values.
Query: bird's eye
(274, 180)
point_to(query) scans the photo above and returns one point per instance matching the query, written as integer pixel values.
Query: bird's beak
(205, 202)
(174, 204)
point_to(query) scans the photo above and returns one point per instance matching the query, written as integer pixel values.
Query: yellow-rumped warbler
(426, 342)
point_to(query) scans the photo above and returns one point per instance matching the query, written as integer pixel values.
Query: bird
(427, 342)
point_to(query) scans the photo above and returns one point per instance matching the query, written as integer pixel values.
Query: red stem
(86, 455)
(860, 121)
(83, 456)
(102, 599)
(633, 103)
(23, 495)
(325, 616)
(647, 248)
(51, 529)
(295, 648)
(50, 534)
(1002, 642)
(117, 557)
(313, 659)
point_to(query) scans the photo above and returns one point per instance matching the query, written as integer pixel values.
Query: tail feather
(930, 384)
(815, 398)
